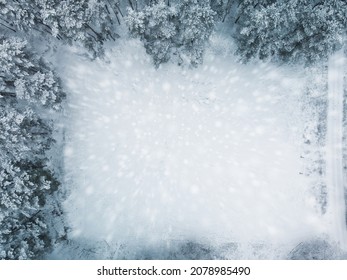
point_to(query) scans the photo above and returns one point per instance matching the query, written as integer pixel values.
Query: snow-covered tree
(90, 22)
(299, 30)
(222, 8)
(178, 31)
(27, 78)
(27, 180)
(25, 183)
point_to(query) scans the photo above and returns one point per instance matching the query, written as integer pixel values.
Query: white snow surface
(334, 154)
(208, 154)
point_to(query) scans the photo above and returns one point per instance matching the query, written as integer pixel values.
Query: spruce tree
(175, 32)
(299, 30)
(28, 182)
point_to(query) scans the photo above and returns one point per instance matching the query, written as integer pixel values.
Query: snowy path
(206, 154)
(334, 149)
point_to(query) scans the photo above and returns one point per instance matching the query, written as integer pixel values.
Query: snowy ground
(210, 154)
(334, 146)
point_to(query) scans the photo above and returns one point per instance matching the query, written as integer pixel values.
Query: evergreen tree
(25, 79)
(300, 30)
(177, 31)
(89, 22)
(27, 180)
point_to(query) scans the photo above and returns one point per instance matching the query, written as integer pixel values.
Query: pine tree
(299, 30)
(27, 182)
(89, 22)
(177, 31)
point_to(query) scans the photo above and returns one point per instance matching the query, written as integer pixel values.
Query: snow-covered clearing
(210, 154)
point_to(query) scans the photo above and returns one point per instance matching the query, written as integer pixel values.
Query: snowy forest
(167, 129)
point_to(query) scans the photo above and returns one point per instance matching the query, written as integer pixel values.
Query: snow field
(209, 154)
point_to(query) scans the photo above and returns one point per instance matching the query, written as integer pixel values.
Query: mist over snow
(209, 154)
